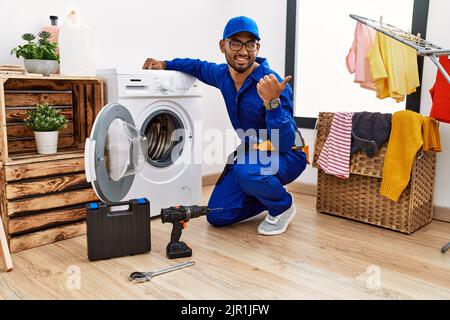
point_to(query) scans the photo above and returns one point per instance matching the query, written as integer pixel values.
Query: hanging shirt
(393, 67)
(335, 155)
(357, 61)
(440, 94)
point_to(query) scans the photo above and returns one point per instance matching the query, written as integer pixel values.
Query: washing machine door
(115, 152)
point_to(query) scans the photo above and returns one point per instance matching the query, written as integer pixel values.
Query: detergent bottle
(76, 50)
(53, 28)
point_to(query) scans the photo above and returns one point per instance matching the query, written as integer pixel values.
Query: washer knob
(165, 86)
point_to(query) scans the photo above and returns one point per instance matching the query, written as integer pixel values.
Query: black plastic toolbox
(117, 233)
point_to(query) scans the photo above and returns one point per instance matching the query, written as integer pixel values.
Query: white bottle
(76, 47)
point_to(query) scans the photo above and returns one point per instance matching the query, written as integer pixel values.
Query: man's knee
(217, 219)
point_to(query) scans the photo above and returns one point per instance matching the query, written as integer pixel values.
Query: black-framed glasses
(236, 45)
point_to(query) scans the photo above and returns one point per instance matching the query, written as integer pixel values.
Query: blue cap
(240, 24)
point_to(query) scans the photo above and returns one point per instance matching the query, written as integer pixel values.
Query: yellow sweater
(404, 142)
(431, 136)
(393, 66)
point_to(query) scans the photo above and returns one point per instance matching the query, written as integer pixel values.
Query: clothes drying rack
(423, 47)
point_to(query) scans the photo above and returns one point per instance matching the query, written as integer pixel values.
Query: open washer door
(115, 152)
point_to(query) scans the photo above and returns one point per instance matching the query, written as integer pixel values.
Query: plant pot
(45, 67)
(46, 141)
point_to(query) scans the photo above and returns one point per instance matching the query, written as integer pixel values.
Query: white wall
(332, 38)
(438, 32)
(127, 32)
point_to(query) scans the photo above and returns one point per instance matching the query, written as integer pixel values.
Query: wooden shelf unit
(42, 197)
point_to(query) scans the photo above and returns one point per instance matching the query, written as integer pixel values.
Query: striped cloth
(335, 156)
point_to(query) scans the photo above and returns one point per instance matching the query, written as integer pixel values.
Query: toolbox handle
(115, 204)
(107, 206)
(126, 212)
(124, 203)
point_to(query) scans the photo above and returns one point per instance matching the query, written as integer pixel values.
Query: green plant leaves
(28, 37)
(45, 118)
(44, 35)
(42, 50)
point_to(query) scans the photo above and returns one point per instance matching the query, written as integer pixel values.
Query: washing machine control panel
(162, 83)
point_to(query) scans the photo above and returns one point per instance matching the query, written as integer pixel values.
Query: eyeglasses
(236, 45)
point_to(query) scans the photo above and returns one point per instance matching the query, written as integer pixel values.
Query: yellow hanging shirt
(393, 66)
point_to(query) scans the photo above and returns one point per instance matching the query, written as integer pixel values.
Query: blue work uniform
(246, 190)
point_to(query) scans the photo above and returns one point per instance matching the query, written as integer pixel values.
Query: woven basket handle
(420, 154)
(316, 125)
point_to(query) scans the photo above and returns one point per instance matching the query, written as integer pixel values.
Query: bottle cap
(54, 20)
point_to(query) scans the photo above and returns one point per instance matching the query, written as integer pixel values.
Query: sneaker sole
(274, 233)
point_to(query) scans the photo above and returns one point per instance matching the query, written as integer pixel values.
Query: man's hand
(154, 64)
(269, 88)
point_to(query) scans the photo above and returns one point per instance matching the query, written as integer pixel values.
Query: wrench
(138, 277)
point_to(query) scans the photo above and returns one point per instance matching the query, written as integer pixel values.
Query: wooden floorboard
(319, 257)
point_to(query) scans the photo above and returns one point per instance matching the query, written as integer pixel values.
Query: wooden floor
(319, 257)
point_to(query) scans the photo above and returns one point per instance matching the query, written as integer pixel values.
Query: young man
(258, 101)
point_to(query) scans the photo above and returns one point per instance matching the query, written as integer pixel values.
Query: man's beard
(238, 69)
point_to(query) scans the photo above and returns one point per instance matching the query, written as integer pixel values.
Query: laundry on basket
(335, 156)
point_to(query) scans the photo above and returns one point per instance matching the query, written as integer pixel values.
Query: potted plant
(45, 121)
(39, 57)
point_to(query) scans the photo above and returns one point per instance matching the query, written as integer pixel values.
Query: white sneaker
(275, 225)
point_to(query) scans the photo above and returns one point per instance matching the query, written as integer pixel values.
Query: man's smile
(241, 60)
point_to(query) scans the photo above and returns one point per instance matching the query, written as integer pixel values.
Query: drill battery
(116, 233)
(179, 216)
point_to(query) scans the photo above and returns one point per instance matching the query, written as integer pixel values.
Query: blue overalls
(247, 189)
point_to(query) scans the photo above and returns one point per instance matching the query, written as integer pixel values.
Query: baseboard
(303, 188)
(210, 179)
(442, 214)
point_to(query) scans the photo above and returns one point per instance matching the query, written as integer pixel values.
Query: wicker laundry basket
(358, 197)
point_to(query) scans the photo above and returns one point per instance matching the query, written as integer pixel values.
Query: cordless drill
(179, 216)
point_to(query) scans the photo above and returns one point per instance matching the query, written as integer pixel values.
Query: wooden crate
(42, 197)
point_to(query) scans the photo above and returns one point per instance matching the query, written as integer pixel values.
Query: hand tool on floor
(138, 277)
(179, 216)
(4, 249)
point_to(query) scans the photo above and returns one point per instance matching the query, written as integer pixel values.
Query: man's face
(240, 51)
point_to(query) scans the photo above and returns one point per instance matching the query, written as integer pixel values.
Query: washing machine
(145, 143)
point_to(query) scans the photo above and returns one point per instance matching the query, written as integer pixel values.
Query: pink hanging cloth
(357, 61)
